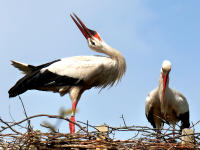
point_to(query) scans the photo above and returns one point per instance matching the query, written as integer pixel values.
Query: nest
(145, 138)
(90, 137)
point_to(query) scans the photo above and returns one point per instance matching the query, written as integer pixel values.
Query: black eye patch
(93, 43)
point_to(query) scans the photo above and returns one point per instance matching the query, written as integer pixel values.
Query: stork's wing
(149, 111)
(150, 107)
(81, 67)
(182, 109)
(182, 105)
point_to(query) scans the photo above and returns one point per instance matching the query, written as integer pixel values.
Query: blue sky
(145, 32)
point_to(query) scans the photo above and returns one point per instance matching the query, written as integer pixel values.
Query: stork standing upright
(164, 104)
(74, 75)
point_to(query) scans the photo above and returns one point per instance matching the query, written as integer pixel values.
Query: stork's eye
(92, 42)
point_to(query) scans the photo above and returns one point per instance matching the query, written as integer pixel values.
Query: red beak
(88, 33)
(165, 78)
(85, 31)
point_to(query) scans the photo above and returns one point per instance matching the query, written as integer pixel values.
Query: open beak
(85, 31)
(165, 78)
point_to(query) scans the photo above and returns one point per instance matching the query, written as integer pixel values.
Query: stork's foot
(72, 125)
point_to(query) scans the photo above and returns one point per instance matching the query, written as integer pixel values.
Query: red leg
(72, 125)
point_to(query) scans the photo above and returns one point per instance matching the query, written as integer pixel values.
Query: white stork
(74, 75)
(164, 104)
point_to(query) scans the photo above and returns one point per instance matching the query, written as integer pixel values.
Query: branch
(45, 115)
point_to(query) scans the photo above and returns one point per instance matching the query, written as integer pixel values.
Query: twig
(123, 120)
(10, 114)
(195, 124)
(88, 125)
(8, 126)
(29, 124)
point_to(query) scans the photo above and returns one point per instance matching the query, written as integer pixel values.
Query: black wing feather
(150, 117)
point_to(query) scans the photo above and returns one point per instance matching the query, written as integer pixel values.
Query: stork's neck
(113, 53)
(117, 57)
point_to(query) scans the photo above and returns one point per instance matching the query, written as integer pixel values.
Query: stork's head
(94, 40)
(166, 68)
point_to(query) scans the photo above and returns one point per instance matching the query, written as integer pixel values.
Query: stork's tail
(25, 68)
(30, 80)
(20, 87)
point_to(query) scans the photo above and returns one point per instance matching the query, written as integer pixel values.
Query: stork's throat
(165, 78)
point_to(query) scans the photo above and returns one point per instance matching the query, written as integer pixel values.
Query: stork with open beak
(164, 104)
(74, 75)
